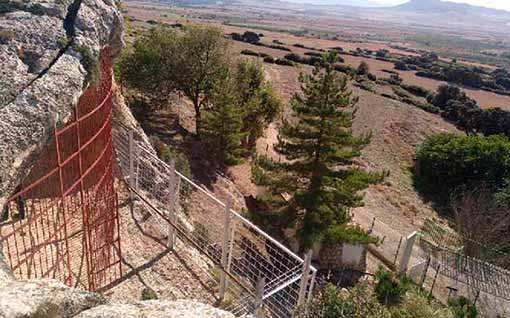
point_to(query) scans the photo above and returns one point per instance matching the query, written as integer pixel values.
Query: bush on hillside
(361, 302)
(269, 59)
(167, 153)
(343, 68)
(416, 90)
(399, 65)
(284, 62)
(389, 288)
(363, 68)
(462, 307)
(253, 53)
(447, 162)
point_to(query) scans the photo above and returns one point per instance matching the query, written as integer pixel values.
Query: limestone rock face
(156, 309)
(44, 298)
(45, 46)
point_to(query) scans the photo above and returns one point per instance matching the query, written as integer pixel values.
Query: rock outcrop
(51, 299)
(47, 48)
(44, 298)
(156, 309)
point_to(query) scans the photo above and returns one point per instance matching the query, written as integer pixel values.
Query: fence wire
(390, 244)
(447, 250)
(259, 272)
(62, 222)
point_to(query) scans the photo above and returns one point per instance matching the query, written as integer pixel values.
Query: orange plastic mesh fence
(63, 223)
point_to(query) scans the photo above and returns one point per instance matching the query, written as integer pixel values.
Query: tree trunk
(198, 120)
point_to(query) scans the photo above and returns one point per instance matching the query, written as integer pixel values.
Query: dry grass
(211, 15)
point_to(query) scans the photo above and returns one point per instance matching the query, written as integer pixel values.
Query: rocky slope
(51, 299)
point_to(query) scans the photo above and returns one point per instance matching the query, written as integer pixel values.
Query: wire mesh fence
(257, 273)
(390, 245)
(62, 222)
(449, 252)
(437, 261)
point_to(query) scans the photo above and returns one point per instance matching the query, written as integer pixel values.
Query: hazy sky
(497, 4)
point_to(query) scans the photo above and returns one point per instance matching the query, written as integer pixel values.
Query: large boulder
(46, 48)
(44, 298)
(156, 309)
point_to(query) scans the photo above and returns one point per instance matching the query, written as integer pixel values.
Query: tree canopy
(316, 182)
(447, 162)
(164, 61)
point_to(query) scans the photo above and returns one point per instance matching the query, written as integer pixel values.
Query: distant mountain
(438, 6)
(350, 3)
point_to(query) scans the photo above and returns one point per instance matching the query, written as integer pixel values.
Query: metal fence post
(434, 281)
(372, 226)
(424, 274)
(231, 247)
(310, 290)
(171, 205)
(305, 278)
(224, 250)
(259, 298)
(131, 165)
(406, 255)
(398, 250)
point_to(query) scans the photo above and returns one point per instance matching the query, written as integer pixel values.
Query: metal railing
(256, 272)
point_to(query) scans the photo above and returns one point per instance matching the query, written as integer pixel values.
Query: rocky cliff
(47, 49)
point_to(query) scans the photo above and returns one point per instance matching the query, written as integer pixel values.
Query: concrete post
(131, 165)
(259, 298)
(171, 205)
(408, 250)
(305, 278)
(225, 250)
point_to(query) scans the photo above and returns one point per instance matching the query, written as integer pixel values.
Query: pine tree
(222, 122)
(316, 182)
(260, 103)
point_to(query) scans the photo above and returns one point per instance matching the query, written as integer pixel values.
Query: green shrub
(312, 60)
(446, 162)
(148, 294)
(401, 92)
(429, 108)
(278, 47)
(360, 302)
(316, 54)
(344, 69)
(284, 62)
(399, 65)
(253, 53)
(251, 37)
(363, 68)
(350, 235)
(269, 59)
(416, 90)
(366, 85)
(388, 288)
(388, 96)
(462, 308)
(335, 303)
(166, 153)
